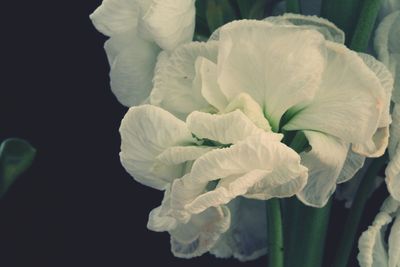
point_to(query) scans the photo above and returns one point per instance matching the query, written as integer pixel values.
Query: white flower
(216, 135)
(138, 30)
(294, 72)
(375, 251)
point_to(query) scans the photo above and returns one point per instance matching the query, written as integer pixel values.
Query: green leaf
(219, 12)
(16, 155)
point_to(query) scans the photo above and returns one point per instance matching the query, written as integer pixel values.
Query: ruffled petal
(387, 46)
(179, 154)
(226, 129)
(147, 131)
(132, 67)
(374, 251)
(246, 238)
(324, 162)
(201, 233)
(259, 167)
(174, 88)
(348, 104)
(393, 168)
(116, 16)
(371, 243)
(377, 145)
(277, 80)
(324, 26)
(171, 22)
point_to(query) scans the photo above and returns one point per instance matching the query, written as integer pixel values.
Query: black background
(76, 206)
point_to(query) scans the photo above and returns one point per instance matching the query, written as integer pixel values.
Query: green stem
(365, 25)
(307, 232)
(293, 6)
(355, 213)
(275, 233)
(343, 13)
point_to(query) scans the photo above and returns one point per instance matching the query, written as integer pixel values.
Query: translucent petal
(171, 22)
(227, 128)
(349, 102)
(132, 68)
(246, 238)
(147, 131)
(116, 16)
(324, 162)
(353, 163)
(174, 88)
(324, 26)
(201, 233)
(248, 62)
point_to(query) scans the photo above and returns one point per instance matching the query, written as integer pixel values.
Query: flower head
(138, 31)
(224, 114)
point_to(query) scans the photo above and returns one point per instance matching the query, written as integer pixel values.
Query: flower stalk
(275, 234)
(365, 25)
(306, 234)
(293, 6)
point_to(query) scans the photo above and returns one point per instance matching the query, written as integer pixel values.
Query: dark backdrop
(76, 206)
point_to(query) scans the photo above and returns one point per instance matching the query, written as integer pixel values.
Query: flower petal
(174, 88)
(147, 131)
(377, 145)
(246, 238)
(250, 108)
(324, 26)
(227, 128)
(349, 102)
(259, 167)
(393, 168)
(324, 162)
(206, 79)
(116, 16)
(248, 62)
(387, 46)
(132, 68)
(392, 173)
(394, 131)
(171, 22)
(394, 244)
